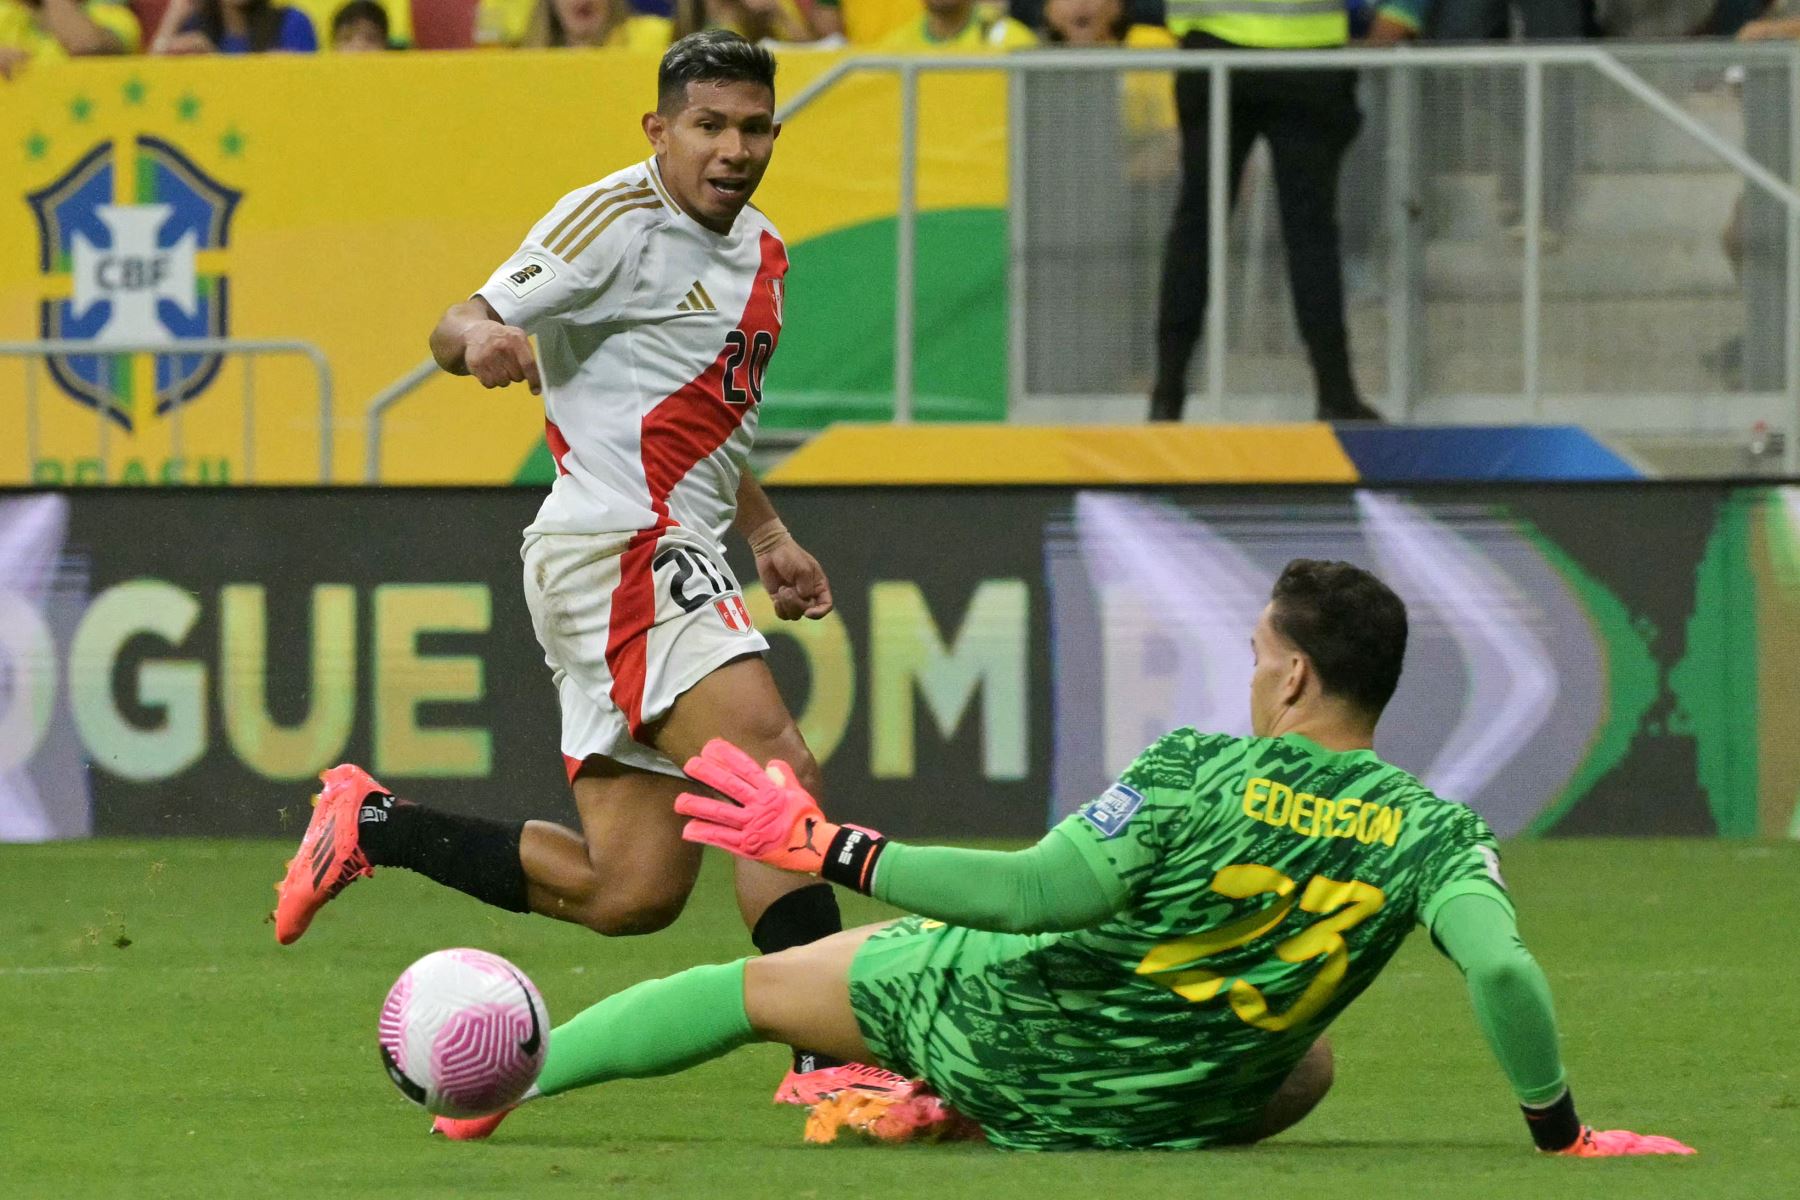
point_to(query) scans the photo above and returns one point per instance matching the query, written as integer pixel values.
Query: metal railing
(384, 400)
(1404, 63)
(249, 348)
(1403, 68)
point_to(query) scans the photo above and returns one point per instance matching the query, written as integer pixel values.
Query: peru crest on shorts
(731, 610)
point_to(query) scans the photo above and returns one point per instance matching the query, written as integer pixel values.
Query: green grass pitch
(158, 1043)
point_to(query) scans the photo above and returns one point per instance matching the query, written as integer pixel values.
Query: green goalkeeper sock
(656, 1027)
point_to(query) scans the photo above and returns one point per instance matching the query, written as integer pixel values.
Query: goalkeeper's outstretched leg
(801, 995)
(807, 988)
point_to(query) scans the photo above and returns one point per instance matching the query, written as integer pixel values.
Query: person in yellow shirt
(862, 22)
(560, 23)
(959, 25)
(53, 30)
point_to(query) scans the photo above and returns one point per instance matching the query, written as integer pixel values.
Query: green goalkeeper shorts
(1004, 1036)
(894, 980)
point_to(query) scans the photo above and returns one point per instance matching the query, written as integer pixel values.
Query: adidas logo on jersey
(697, 300)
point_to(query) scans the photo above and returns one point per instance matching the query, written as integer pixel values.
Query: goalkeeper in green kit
(1160, 969)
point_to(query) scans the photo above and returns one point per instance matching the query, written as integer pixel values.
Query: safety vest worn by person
(1264, 24)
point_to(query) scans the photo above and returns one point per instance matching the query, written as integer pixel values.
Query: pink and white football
(463, 1033)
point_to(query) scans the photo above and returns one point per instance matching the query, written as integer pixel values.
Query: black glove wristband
(850, 859)
(1554, 1127)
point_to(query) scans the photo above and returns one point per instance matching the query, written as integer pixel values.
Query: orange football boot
(809, 1087)
(467, 1129)
(912, 1115)
(329, 859)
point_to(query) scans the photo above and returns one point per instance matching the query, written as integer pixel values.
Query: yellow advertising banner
(343, 201)
(1075, 455)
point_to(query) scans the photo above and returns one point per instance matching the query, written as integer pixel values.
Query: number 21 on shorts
(1341, 906)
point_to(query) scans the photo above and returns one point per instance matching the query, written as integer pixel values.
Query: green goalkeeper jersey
(1268, 880)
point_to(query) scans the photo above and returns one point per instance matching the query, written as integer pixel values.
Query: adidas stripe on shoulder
(573, 228)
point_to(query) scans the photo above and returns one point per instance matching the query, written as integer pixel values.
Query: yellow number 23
(1342, 906)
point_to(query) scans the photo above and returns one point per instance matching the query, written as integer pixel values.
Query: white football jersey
(653, 335)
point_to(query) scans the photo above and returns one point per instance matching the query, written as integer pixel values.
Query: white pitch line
(209, 969)
(80, 970)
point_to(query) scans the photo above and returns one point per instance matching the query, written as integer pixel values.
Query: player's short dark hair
(710, 56)
(361, 10)
(1349, 623)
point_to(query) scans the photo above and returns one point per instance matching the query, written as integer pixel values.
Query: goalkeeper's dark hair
(710, 56)
(1349, 623)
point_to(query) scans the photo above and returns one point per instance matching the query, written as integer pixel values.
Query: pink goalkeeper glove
(774, 820)
(1611, 1143)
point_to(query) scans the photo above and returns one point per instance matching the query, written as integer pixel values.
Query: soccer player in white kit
(656, 299)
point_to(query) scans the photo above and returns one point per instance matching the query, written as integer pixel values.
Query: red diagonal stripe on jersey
(696, 420)
(559, 445)
(677, 434)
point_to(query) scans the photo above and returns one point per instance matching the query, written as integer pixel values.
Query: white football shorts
(629, 622)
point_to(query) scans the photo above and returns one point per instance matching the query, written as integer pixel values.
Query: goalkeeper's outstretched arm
(1046, 889)
(1512, 1005)
(1050, 887)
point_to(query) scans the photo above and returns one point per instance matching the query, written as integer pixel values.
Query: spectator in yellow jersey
(862, 22)
(959, 25)
(752, 20)
(53, 30)
(592, 23)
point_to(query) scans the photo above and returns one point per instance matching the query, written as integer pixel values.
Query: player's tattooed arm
(795, 581)
(471, 339)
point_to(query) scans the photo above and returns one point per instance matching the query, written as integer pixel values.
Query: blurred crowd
(1308, 118)
(48, 30)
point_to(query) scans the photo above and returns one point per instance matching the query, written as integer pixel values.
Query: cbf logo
(129, 243)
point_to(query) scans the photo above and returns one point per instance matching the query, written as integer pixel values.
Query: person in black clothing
(1309, 119)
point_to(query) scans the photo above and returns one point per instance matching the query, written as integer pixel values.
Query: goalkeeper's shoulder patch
(1110, 811)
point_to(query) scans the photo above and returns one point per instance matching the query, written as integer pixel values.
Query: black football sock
(795, 919)
(1553, 1126)
(471, 854)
